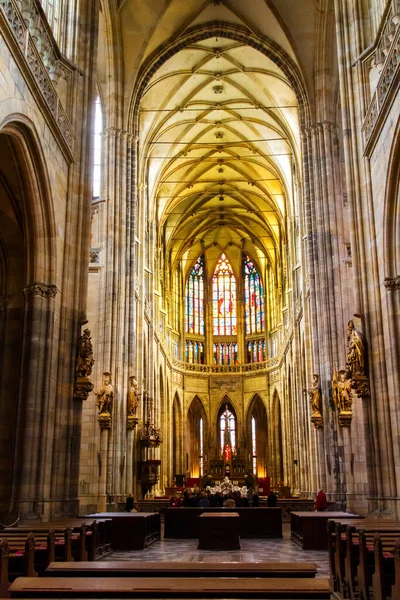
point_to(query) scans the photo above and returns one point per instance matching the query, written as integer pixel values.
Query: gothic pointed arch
(277, 472)
(28, 272)
(257, 436)
(219, 29)
(197, 429)
(177, 436)
(227, 425)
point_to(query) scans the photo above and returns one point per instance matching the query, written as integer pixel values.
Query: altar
(219, 531)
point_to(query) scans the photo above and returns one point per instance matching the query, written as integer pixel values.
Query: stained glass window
(226, 353)
(224, 299)
(254, 445)
(254, 297)
(194, 316)
(194, 352)
(227, 430)
(256, 351)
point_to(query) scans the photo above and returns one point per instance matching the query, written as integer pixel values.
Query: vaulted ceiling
(219, 134)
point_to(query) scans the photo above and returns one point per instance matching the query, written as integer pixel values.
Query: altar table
(219, 531)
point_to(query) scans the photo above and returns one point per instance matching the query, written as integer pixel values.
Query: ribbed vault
(219, 142)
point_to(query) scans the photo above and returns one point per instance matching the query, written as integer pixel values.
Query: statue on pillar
(85, 361)
(356, 350)
(314, 394)
(133, 402)
(104, 401)
(83, 367)
(356, 361)
(343, 395)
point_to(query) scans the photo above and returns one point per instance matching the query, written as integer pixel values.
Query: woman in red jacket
(321, 502)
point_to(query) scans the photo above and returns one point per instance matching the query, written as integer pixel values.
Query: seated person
(229, 503)
(204, 501)
(272, 499)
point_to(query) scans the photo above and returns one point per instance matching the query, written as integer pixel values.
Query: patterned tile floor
(277, 550)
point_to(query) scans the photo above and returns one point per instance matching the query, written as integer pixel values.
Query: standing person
(130, 503)
(321, 503)
(272, 499)
(255, 499)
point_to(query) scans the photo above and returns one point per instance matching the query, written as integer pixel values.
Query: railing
(386, 54)
(29, 27)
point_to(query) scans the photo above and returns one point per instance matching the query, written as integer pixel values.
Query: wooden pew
(62, 538)
(343, 548)
(383, 577)
(124, 568)
(132, 531)
(309, 529)
(27, 554)
(396, 587)
(4, 581)
(169, 587)
(366, 566)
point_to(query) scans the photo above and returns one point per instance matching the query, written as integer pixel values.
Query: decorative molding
(5, 301)
(94, 256)
(383, 95)
(83, 386)
(40, 289)
(392, 283)
(40, 61)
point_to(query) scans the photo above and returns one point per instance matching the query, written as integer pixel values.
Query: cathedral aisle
(277, 550)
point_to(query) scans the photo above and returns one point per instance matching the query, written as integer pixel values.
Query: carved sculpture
(356, 361)
(83, 368)
(315, 399)
(104, 402)
(356, 351)
(85, 361)
(343, 396)
(133, 402)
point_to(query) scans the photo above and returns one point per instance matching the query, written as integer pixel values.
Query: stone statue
(315, 395)
(356, 351)
(133, 396)
(85, 361)
(345, 394)
(106, 396)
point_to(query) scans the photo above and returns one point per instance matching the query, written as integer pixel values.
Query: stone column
(34, 442)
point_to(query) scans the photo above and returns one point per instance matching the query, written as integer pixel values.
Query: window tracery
(227, 423)
(254, 298)
(194, 317)
(224, 299)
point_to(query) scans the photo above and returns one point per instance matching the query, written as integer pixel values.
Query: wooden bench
(396, 587)
(122, 568)
(28, 555)
(309, 529)
(163, 587)
(89, 538)
(132, 531)
(344, 549)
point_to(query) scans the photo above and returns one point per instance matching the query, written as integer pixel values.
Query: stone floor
(277, 550)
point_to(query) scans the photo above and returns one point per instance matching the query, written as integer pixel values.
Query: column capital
(44, 290)
(392, 283)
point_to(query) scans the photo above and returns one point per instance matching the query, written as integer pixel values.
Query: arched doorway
(27, 308)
